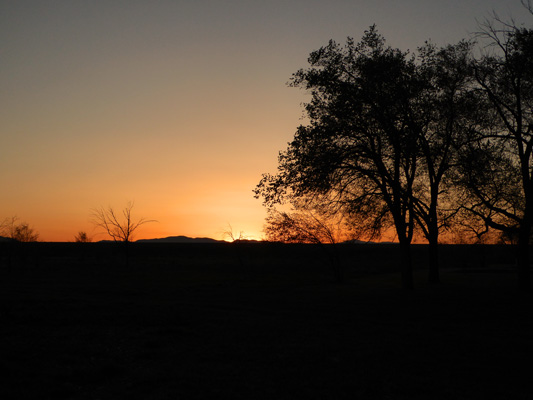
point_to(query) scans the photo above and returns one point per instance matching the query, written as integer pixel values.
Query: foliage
(360, 152)
(496, 165)
(422, 144)
(448, 111)
(497, 162)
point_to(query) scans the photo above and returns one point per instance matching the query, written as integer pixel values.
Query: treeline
(424, 143)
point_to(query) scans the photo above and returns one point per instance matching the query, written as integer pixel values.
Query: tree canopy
(360, 152)
(416, 141)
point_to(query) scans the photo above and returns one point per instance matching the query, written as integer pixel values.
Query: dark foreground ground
(259, 323)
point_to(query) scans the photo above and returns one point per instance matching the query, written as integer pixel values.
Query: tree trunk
(406, 265)
(523, 269)
(126, 245)
(433, 277)
(433, 238)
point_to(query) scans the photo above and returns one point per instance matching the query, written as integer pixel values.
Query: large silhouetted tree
(384, 137)
(360, 150)
(446, 111)
(497, 164)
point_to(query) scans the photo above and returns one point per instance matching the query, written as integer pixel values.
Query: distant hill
(356, 241)
(178, 239)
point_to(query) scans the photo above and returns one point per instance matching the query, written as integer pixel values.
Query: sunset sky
(179, 106)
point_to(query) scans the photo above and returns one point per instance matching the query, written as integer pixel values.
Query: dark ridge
(179, 239)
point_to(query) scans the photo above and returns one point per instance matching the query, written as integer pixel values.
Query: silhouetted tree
(360, 149)
(4, 227)
(303, 226)
(497, 163)
(120, 229)
(19, 231)
(237, 241)
(24, 233)
(232, 236)
(306, 225)
(82, 237)
(444, 113)
(19, 234)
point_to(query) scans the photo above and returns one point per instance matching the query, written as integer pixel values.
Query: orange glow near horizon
(150, 230)
(209, 215)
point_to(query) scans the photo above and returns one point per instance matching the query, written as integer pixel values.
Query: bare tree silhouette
(119, 228)
(233, 236)
(82, 237)
(21, 232)
(237, 240)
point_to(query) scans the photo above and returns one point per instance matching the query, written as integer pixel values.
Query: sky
(177, 106)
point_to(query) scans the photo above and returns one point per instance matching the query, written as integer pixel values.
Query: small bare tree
(233, 236)
(121, 229)
(82, 237)
(237, 241)
(18, 231)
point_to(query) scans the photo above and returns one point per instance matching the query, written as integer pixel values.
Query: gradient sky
(179, 106)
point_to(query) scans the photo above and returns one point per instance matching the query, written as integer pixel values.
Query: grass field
(259, 323)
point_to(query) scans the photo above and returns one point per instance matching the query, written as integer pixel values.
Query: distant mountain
(356, 241)
(186, 239)
(178, 239)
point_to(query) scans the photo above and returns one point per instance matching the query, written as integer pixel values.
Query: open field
(259, 322)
